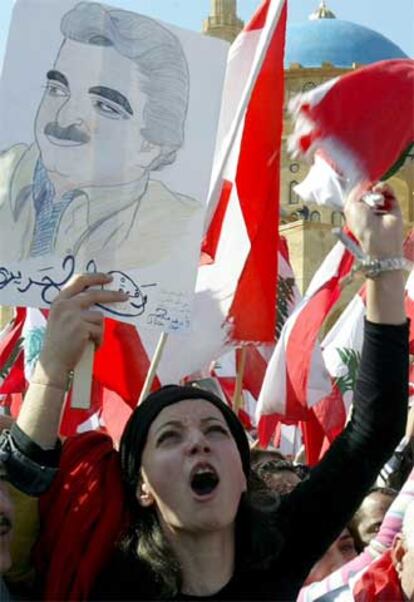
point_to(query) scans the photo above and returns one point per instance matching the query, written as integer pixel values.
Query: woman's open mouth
(204, 480)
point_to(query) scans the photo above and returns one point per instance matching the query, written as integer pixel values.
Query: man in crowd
(19, 519)
(368, 518)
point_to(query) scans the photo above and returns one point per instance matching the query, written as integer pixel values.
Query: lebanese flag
(336, 130)
(341, 350)
(33, 332)
(236, 283)
(296, 378)
(255, 358)
(342, 347)
(241, 241)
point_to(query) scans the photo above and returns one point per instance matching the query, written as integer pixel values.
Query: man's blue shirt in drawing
(137, 224)
(48, 212)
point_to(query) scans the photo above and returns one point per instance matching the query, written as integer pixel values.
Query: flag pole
(82, 379)
(156, 358)
(238, 391)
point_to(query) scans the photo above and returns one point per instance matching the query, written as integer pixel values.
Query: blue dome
(338, 42)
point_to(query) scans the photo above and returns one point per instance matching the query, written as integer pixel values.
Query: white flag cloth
(342, 348)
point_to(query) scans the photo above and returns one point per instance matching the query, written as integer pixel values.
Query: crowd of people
(183, 510)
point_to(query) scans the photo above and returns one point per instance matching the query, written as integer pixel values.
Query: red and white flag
(236, 284)
(288, 439)
(342, 347)
(252, 360)
(346, 147)
(296, 378)
(242, 237)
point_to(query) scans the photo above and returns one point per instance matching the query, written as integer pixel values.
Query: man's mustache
(70, 133)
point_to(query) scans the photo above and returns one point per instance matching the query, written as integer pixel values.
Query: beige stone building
(223, 21)
(317, 50)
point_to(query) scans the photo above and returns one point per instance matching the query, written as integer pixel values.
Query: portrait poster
(108, 122)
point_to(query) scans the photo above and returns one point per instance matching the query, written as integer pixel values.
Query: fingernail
(109, 277)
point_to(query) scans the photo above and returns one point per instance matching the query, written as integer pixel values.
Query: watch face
(371, 268)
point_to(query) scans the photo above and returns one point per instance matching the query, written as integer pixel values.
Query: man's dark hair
(274, 467)
(161, 67)
(257, 456)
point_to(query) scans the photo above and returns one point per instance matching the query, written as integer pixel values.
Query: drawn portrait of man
(112, 116)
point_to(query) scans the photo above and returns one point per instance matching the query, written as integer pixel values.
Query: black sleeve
(30, 468)
(314, 514)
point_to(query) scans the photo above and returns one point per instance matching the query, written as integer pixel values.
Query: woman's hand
(72, 324)
(379, 234)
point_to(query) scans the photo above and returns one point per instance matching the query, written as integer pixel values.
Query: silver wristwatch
(369, 266)
(372, 267)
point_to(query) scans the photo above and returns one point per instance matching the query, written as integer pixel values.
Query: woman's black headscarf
(135, 434)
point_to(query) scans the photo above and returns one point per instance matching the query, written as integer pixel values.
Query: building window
(308, 86)
(315, 216)
(337, 218)
(304, 213)
(294, 199)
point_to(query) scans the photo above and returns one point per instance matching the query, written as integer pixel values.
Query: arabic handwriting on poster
(48, 282)
(172, 312)
(137, 301)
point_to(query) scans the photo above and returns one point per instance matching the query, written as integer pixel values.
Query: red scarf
(81, 516)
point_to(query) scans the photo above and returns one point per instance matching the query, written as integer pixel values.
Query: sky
(392, 18)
